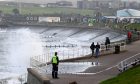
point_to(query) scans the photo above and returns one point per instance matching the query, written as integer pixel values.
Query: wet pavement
(94, 75)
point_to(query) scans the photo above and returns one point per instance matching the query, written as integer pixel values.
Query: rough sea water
(16, 48)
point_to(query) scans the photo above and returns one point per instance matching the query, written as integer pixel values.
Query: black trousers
(54, 71)
(129, 40)
(92, 52)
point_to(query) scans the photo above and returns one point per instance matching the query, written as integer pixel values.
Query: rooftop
(128, 13)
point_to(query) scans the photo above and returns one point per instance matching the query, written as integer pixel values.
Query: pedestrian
(97, 49)
(107, 43)
(92, 47)
(55, 63)
(129, 36)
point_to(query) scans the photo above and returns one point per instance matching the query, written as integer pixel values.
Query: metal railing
(64, 54)
(75, 53)
(129, 62)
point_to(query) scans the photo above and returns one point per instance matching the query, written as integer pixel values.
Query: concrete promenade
(94, 75)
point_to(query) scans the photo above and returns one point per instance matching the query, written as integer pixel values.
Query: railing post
(63, 54)
(68, 54)
(73, 53)
(122, 66)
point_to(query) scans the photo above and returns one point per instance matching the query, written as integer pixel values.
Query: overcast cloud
(47, 1)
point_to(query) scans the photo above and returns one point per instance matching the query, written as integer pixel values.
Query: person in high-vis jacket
(55, 62)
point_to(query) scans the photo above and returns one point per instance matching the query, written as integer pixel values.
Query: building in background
(64, 3)
(115, 4)
(49, 19)
(128, 13)
(60, 4)
(124, 16)
(86, 4)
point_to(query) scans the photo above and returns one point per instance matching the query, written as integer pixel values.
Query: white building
(49, 19)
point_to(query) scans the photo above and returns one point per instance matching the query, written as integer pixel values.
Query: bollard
(117, 49)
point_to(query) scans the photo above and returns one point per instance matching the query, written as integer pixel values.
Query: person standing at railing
(97, 49)
(92, 47)
(55, 62)
(107, 43)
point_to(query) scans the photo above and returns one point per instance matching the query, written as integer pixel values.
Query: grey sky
(39, 1)
(46, 1)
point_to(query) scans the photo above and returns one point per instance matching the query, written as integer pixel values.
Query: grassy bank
(134, 25)
(47, 10)
(131, 76)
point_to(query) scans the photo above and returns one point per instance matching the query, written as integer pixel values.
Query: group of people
(96, 48)
(55, 58)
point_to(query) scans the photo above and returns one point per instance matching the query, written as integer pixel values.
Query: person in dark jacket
(55, 62)
(92, 47)
(97, 49)
(107, 42)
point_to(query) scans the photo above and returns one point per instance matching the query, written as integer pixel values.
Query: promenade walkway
(94, 75)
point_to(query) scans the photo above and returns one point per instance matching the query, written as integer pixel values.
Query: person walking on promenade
(107, 42)
(97, 49)
(55, 62)
(129, 36)
(92, 47)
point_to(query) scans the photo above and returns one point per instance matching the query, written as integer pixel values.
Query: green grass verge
(131, 76)
(6, 9)
(40, 10)
(134, 25)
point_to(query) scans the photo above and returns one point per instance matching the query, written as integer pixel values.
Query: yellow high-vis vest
(54, 60)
